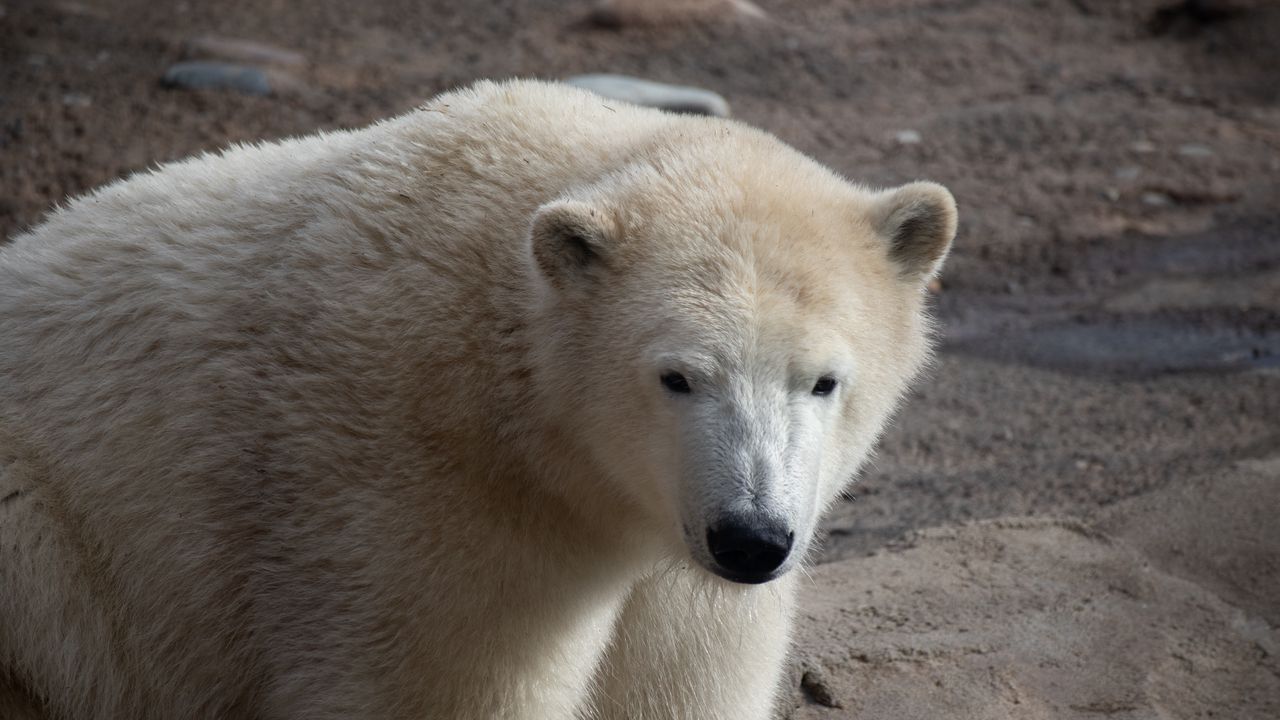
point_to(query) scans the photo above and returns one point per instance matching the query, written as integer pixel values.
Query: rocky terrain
(1075, 516)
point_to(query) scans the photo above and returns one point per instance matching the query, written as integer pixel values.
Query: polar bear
(525, 404)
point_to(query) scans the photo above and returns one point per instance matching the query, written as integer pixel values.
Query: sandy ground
(1075, 514)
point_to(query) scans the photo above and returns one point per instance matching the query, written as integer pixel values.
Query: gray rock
(907, 137)
(242, 51)
(624, 13)
(675, 98)
(218, 76)
(1128, 172)
(1156, 199)
(74, 99)
(1193, 150)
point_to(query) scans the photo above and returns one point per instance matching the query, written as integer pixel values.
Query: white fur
(320, 429)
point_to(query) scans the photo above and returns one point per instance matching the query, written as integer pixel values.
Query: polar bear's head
(727, 329)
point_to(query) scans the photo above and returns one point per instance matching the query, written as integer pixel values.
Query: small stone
(907, 137)
(675, 98)
(37, 60)
(74, 99)
(1192, 150)
(1143, 146)
(1156, 199)
(621, 13)
(817, 689)
(217, 76)
(81, 10)
(242, 51)
(98, 59)
(1128, 172)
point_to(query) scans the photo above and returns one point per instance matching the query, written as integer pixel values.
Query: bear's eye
(676, 383)
(825, 386)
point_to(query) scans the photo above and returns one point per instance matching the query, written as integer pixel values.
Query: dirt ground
(1075, 514)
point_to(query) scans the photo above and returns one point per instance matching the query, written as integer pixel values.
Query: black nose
(749, 550)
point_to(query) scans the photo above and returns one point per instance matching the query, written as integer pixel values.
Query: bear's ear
(918, 220)
(571, 241)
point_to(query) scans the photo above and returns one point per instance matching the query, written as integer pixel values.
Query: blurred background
(1076, 513)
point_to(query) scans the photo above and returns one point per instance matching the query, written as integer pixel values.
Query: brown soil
(1110, 316)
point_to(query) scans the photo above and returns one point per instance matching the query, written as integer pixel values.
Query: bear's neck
(464, 387)
(452, 286)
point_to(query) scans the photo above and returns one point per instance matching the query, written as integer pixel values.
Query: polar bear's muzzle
(749, 548)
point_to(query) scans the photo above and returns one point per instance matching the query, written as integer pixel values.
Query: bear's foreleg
(689, 646)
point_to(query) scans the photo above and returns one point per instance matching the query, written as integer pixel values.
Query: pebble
(1156, 199)
(74, 99)
(98, 59)
(217, 76)
(242, 51)
(81, 10)
(620, 13)
(817, 688)
(1192, 150)
(675, 98)
(1128, 172)
(1143, 146)
(907, 137)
